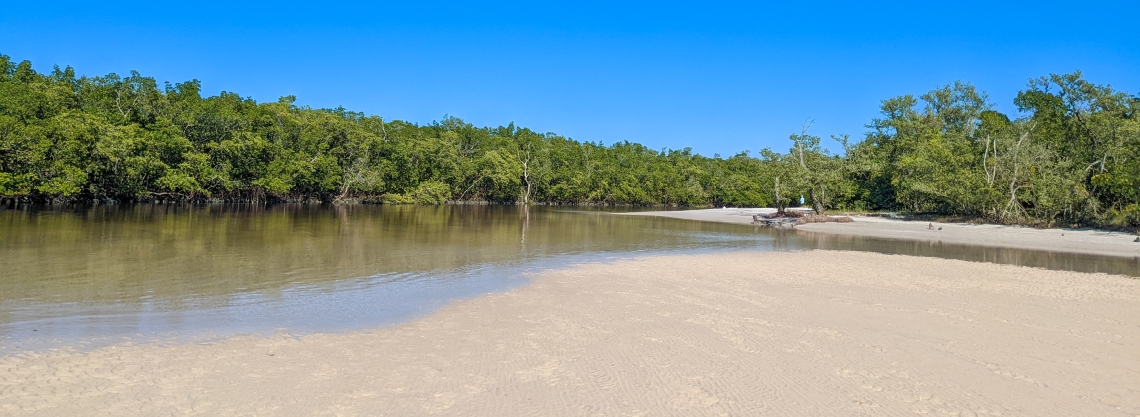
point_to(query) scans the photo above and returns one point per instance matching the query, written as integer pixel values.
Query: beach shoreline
(740, 333)
(1080, 241)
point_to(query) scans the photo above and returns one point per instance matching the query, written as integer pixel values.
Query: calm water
(103, 275)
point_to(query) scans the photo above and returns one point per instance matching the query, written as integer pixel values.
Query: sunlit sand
(745, 333)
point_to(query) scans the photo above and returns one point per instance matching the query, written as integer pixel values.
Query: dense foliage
(1072, 158)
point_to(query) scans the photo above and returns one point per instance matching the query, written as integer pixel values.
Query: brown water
(107, 274)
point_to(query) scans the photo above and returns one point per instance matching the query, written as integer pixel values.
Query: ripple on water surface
(105, 275)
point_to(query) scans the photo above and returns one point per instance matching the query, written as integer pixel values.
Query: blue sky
(720, 78)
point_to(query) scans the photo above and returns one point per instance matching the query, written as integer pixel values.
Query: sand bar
(746, 333)
(1084, 241)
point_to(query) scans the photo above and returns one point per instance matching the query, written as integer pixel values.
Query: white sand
(784, 334)
(1086, 241)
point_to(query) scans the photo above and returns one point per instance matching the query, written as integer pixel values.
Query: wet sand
(746, 333)
(1084, 241)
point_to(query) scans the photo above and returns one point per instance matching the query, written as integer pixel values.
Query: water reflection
(157, 270)
(92, 276)
(1033, 258)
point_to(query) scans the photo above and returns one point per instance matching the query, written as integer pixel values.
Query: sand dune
(784, 334)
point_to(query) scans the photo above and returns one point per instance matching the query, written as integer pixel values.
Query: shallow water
(85, 278)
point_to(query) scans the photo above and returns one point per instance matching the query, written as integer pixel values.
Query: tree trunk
(779, 202)
(526, 179)
(816, 201)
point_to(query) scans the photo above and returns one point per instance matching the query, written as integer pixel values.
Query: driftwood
(792, 219)
(760, 219)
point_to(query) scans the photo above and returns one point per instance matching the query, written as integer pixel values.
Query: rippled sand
(788, 334)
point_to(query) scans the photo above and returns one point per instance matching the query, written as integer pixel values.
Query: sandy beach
(1083, 241)
(745, 333)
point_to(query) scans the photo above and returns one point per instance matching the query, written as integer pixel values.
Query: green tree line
(1070, 156)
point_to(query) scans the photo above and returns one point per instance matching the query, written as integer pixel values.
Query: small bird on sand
(930, 226)
(939, 228)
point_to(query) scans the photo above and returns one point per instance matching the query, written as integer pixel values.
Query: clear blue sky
(718, 78)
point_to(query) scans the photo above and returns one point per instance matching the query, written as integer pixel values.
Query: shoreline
(1079, 241)
(741, 333)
